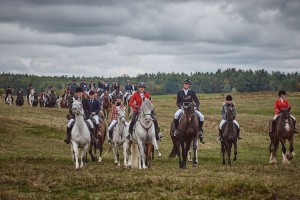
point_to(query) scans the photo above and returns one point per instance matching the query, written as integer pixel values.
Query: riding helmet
(281, 92)
(187, 81)
(142, 85)
(91, 92)
(228, 98)
(79, 89)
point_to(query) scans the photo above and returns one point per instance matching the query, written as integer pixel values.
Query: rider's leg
(69, 128)
(176, 121)
(201, 121)
(294, 122)
(238, 131)
(223, 121)
(92, 132)
(272, 124)
(133, 119)
(158, 135)
(110, 129)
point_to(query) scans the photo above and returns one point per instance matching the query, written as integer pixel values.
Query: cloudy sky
(111, 38)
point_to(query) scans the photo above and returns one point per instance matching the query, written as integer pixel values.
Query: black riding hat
(187, 81)
(142, 85)
(281, 92)
(228, 98)
(79, 89)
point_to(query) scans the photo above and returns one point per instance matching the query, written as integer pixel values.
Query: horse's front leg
(142, 154)
(76, 155)
(235, 150)
(283, 150)
(223, 151)
(229, 145)
(291, 153)
(91, 153)
(195, 147)
(84, 155)
(187, 148)
(125, 153)
(156, 148)
(129, 162)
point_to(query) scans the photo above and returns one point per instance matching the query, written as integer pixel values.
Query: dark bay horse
(284, 130)
(20, 100)
(229, 136)
(188, 132)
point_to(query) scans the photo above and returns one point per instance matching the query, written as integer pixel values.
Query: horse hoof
(100, 160)
(159, 155)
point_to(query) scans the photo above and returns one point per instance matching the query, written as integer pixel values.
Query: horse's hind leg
(195, 160)
(91, 153)
(235, 150)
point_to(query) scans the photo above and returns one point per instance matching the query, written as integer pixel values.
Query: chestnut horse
(188, 132)
(283, 130)
(106, 104)
(229, 136)
(100, 136)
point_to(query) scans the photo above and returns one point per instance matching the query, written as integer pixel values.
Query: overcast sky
(111, 38)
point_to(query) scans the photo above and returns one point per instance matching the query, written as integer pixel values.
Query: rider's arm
(178, 101)
(196, 100)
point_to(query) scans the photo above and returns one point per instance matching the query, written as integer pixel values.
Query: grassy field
(36, 164)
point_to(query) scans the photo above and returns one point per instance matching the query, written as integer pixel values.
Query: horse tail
(173, 153)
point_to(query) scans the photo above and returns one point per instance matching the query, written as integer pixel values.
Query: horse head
(146, 110)
(77, 107)
(285, 117)
(229, 113)
(121, 116)
(188, 110)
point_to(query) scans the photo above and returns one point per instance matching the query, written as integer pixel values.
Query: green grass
(36, 164)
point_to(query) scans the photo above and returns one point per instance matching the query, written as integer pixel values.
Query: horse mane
(147, 105)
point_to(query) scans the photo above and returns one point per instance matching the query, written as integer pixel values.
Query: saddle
(223, 127)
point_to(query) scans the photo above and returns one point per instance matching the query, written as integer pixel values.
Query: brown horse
(284, 130)
(100, 136)
(106, 104)
(188, 132)
(229, 136)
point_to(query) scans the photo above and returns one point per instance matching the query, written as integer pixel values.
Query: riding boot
(176, 124)
(271, 126)
(200, 134)
(158, 135)
(93, 139)
(67, 140)
(130, 129)
(110, 135)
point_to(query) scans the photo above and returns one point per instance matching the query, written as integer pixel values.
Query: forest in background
(228, 81)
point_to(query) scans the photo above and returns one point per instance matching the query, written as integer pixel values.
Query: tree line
(226, 81)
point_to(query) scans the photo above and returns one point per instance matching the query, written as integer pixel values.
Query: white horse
(119, 137)
(31, 97)
(80, 134)
(143, 133)
(8, 99)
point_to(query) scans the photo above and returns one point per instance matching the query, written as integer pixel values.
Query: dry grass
(36, 164)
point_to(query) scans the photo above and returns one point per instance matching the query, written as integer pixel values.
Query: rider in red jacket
(135, 102)
(280, 104)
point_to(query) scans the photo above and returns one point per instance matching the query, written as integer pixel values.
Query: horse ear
(289, 109)
(73, 99)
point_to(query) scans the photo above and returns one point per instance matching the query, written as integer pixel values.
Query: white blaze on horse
(8, 100)
(119, 137)
(143, 133)
(80, 134)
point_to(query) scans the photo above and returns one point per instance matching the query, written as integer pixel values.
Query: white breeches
(112, 123)
(72, 120)
(179, 111)
(223, 122)
(96, 118)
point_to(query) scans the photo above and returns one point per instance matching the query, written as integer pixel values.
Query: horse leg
(283, 149)
(83, 155)
(142, 154)
(229, 145)
(125, 153)
(129, 163)
(100, 149)
(76, 155)
(195, 160)
(291, 149)
(91, 153)
(154, 142)
(235, 150)
(118, 154)
(223, 151)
